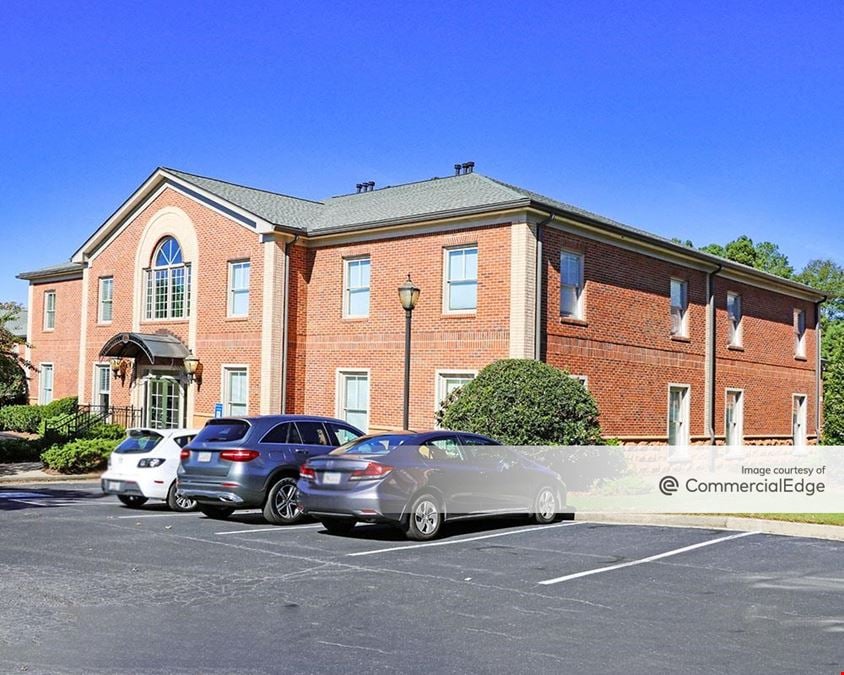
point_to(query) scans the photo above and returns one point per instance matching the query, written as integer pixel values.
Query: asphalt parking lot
(88, 585)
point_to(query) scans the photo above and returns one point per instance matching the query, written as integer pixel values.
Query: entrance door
(164, 402)
(798, 422)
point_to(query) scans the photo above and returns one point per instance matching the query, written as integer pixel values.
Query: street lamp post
(409, 295)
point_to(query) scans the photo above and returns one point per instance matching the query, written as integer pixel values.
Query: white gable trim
(159, 181)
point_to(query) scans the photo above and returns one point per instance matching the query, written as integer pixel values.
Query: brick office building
(291, 305)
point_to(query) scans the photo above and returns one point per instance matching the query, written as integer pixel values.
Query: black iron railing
(84, 417)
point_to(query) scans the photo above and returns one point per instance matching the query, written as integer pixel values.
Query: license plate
(331, 478)
(112, 485)
(203, 457)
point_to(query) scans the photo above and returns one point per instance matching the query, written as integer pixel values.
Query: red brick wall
(61, 345)
(625, 349)
(219, 339)
(766, 368)
(440, 341)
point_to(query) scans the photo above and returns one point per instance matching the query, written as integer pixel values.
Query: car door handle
(299, 451)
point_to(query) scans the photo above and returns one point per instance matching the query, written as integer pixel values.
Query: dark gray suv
(253, 462)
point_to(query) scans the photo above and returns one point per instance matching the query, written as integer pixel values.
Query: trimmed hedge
(79, 456)
(19, 450)
(28, 418)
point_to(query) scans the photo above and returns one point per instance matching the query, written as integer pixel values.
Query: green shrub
(79, 456)
(19, 450)
(110, 431)
(26, 418)
(61, 406)
(524, 402)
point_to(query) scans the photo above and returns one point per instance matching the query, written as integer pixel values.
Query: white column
(271, 329)
(522, 290)
(83, 340)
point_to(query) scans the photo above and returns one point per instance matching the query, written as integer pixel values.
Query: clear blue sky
(688, 119)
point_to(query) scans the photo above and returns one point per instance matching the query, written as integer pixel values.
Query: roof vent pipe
(359, 186)
(468, 167)
(371, 185)
(457, 168)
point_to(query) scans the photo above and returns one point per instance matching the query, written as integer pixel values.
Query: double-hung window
(49, 310)
(356, 272)
(461, 279)
(102, 386)
(678, 420)
(353, 398)
(799, 333)
(106, 299)
(679, 308)
(235, 390)
(571, 285)
(45, 381)
(239, 271)
(734, 315)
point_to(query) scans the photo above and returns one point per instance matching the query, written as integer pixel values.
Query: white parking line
(277, 528)
(651, 558)
(460, 541)
(159, 515)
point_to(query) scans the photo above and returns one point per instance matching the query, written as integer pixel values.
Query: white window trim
(346, 293)
(100, 318)
(682, 455)
(799, 343)
(684, 321)
(737, 339)
(446, 251)
(735, 451)
(230, 289)
(442, 373)
(580, 309)
(41, 366)
(801, 450)
(224, 385)
(46, 312)
(339, 407)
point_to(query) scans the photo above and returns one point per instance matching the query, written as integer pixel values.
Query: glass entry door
(164, 401)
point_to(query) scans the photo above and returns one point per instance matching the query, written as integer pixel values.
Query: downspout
(539, 326)
(285, 313)
(818, 373)
(711, 351)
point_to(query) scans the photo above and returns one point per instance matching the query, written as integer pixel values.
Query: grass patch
(816, 518)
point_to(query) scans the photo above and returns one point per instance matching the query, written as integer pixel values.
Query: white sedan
(144, 466)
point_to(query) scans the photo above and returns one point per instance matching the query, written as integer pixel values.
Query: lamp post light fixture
(409, 296)
(191, 366)
(118, 367)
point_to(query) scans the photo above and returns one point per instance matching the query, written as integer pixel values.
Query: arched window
(168, 282)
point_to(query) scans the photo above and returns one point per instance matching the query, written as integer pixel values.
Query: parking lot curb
(783, 527)
(28, 478)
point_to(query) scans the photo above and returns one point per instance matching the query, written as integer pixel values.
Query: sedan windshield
(372, 445)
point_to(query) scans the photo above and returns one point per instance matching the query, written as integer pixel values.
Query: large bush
(524, 402)
(29, 418)
(80, 456)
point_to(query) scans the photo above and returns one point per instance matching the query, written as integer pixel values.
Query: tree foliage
(828, 276)
(765, 255)
(524, 402)
(13, 368)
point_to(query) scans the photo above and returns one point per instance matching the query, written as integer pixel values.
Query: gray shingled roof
(273, 207)
(53, 270)
(18, 325)
(449, 196)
